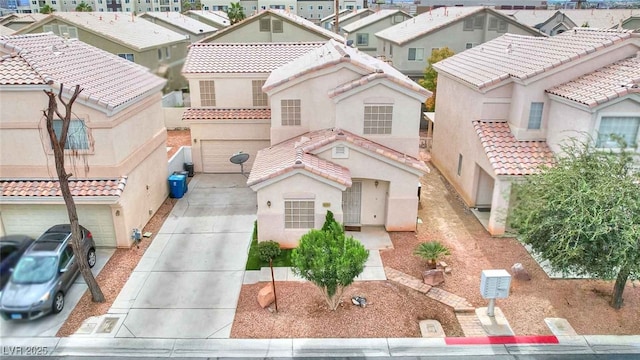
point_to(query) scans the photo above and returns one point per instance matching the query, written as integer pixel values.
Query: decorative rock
(433, 277)
(447, 270)
(519, 272)
(431, 329)
(359, 300)
(266, 296)
(443, 264)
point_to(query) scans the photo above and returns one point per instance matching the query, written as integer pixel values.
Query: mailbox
(494, 284)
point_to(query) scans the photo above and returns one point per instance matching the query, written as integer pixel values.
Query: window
(397, 19)
(416, 54)
(503, 26)
(493, 23)
(126, 56)
(159, 54)
(319, 7)
(310, 7)
(468, 45)
(276, 26)
(378, 119)
(167, 54)
(535, 115)
(207, 93)
(77, 137)
(290, 112)
(259, 97)
(265, 25)
(625, 127)
(362, 39)
(459, 164)
(65, 257)
(468, 24)
(390, 50)
(478, 22)
(299, 214)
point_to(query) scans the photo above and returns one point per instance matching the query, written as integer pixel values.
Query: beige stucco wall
(173, 118)
(251, 33)
(232, 90)
(372, 47)
(298, 186)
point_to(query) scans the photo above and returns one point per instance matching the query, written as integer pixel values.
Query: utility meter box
(494, 284)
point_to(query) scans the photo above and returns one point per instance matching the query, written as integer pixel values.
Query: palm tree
(431, 251)
(84, 7)
(235, 13)
(47, 9)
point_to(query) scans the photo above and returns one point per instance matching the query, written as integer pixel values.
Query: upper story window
(624, 127)
(416, 54)
(290, 109)
(276, 25)
(265, 25)
(493, 23)
(362, 39)
(77, 135)
(126, 56)
(207, 93)
(259, 97)
(468, 24)
(299, 214)
(535, 115)
(378, 119)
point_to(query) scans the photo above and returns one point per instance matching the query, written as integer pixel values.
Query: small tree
(84, 7)
(235, 13)
(330, 260)
(47, 9)
(431, 251)
(583, 214)
(267, 251)
(430, 79)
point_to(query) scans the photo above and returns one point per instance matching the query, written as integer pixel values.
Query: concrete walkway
(188, 282)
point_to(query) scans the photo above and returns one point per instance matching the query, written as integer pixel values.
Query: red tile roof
(297, 153)
(106, 79)
(522, 57)
(509, 156)
(610, 82)
(51, 188)
(195, 114)
(243, 57)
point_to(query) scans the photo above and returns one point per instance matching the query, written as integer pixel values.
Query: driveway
(50, 324)
(188, 282)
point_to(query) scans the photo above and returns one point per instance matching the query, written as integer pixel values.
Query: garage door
(33, 220)
(216, 154)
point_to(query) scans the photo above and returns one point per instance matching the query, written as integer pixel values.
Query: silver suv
(44, 274)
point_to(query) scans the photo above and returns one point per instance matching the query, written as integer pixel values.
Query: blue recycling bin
(177, 184)
(185, 174)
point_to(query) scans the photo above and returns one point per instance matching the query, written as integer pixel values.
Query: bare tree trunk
(333, 301)
(618, 288)
(273, 283)
(63, 177)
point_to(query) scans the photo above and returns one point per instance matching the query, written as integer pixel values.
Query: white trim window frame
(416, 54)
(299, 214)
(624, 126)
(378, 119)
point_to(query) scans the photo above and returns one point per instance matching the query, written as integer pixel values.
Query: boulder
(519, 272)
(266, 296)
(433, 277)
(447, 270)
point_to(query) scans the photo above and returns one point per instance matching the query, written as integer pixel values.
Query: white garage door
(216, 154)
(33, 220)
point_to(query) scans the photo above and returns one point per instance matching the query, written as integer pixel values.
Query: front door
(351, 200)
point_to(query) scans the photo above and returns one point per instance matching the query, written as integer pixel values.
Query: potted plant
(431, 251)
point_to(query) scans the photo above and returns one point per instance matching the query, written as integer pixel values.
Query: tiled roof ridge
(372, 77)
(372, 19)
(42, 187)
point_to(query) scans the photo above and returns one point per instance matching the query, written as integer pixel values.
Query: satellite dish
(239, 158)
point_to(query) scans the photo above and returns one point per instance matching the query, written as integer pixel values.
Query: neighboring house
(217, 19)
(344, 138)
(408, 45)
(555, 22)
(272, 26)
(191, 28)
(498, 4)
(131, 5)
(161, 50)
(120, 176)
(18, 21)
(230, 112)
(5, 30)
(316, 10)
(326, 22)
(362, 31)
(351, 17)
(522, 97)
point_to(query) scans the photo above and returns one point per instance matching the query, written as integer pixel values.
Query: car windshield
(35, 269)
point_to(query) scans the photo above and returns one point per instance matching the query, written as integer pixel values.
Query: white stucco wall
(232, 90)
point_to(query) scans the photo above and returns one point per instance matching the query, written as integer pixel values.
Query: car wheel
(91, 257)
(58, 302)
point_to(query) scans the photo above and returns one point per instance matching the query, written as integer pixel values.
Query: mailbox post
(494, 284)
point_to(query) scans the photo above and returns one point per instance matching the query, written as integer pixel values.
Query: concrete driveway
(50, 324)
(188, 282)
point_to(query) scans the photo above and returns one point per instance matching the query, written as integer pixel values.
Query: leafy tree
(583, 214)
(329, 259)
(267, 251)
(431, 251)
(58, 142)
(84, 7)
(188, 5)
(430, 79)
(47, 9)
(235, 12)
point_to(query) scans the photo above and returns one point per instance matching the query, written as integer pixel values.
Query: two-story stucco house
(217, 19)
(343, 138)
(348, 18)
(325, 22)
(409, 44)
(119, 177)
(272, 25)
(192, 29)
(230, 113)
(505, 107)
(362, 32)
(555, 22)
(157, 48)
